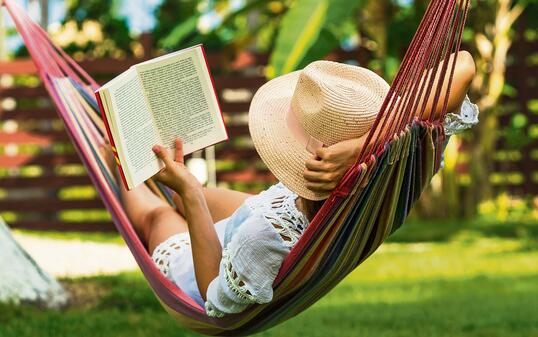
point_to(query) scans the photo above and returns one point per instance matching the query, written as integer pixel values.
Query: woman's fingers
(163, 155)
(179, 151)
(315, 165)
(314, 176)
(321, 187)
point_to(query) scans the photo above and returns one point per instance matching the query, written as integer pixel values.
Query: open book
(155, 102)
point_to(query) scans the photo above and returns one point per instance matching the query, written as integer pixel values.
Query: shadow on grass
(443, 231)
(481, 306)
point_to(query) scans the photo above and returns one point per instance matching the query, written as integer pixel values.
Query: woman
(224, 248)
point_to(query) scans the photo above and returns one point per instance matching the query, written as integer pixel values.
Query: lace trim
(212, 311)
(286, 219)
(265, 197)
(234, 281)
(161, 254)
(279, 209)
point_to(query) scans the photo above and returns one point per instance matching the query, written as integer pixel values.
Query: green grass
(442, 231)
(102, 237)
(470, 285)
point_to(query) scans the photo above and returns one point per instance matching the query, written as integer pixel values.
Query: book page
(180, 94)
(135, 128)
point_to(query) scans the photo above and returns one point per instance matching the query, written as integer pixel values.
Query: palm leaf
(300, 28)
(180, 32)
(309, 31)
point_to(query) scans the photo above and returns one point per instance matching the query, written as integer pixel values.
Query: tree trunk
(21, 279)
(493, 47)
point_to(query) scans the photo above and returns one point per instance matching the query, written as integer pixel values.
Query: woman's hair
(311, 207)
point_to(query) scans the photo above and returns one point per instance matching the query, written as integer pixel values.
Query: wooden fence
(42, 182)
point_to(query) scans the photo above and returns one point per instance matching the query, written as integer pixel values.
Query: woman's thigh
(221, 202)
(162, 223)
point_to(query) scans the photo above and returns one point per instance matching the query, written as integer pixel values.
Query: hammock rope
(401, 154)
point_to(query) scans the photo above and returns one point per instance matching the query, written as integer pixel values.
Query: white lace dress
(255, 240)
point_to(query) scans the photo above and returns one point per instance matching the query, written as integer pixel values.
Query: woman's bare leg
(220, 201)
(155, 220)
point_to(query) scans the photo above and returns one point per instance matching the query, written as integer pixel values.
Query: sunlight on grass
(471, 286)
(453, 260)
(74, 236)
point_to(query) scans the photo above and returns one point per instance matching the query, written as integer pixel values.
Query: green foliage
(175, 22)
(114, 27)
(180, 33)
(401, 29)
(515, 132)
(309, 31)
(179, 24)
(116, 39)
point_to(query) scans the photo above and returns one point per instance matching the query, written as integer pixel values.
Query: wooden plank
(108, 65)
(26, 114)
(221, 82)
(23, 137)
(229, 108)
(49, 137)
(237, 130)
(45, 225)
(45, 181)
(235, 107)
(48, 205)
(237, 154)
(18, 67)
(24, 92)
(246, 176)
(238, 82)
(525, 189)
(40, 159)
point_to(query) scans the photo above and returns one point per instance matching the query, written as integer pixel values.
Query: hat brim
(284, 155)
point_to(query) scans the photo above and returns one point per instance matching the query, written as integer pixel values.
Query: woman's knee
(156, 216)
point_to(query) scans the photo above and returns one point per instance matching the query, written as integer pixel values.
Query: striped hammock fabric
(370, 203)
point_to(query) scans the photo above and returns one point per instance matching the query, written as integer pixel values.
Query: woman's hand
(175, 174)
(325, 170)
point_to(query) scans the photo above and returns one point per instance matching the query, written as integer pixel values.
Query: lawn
(470, 285)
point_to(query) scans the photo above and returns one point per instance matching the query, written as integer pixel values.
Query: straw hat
(293, 115)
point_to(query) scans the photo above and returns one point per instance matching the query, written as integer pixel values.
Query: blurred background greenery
(464, 264)
(495, 175)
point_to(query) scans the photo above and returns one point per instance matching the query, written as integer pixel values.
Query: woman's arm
(205, 244)
(325, 170)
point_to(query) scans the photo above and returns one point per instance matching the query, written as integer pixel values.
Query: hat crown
(334, 102)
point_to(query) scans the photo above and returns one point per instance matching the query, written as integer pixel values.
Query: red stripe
(214, 90)
(109, 133)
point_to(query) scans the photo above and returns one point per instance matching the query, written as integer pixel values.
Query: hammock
(353, 222)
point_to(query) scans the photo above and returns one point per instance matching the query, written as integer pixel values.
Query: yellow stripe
(307, 35)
